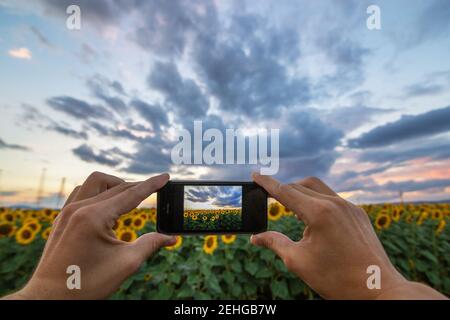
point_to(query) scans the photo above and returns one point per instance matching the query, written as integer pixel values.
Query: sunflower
(274, 211)
(382, 221)
(47, 214)
(6, 229)
(422, 218)
(147, 277)
(137, 223)
(177, 244)
(437, 215)
(185, 214)
(396, 215)
(54, 214)
(117, 225)
(287, 212)
(127, 221)
(152, 215)
(205, 218)
(46, 233)
(25, 235)
(210, 244)
(228, 238)
(409, 218)
(33, 225)
(19, 215)
(440, 227)
(8, 216)
(144, 216)
(194, 217)
(126, 234)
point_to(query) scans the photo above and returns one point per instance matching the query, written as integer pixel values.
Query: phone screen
(210, 208)
(207, 207)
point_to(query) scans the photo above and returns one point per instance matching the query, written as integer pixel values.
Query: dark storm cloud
(423, 89)
(78, 108)
(355, 181)
(86, 153)
(183, 95)
(101, 89)
(435, 150)
(434, 21)
(243, 62)
(412, 185)
(4, 145)
(305, 134)
(32, 117)
(65, 130)
(406, 128)
(152, 156)
(153, 114)
(107, 131)
(247, 73)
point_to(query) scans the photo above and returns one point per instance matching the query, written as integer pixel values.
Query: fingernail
(255, 174)
(171, 241)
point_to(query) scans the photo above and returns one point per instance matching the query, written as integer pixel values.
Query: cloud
(438, 149)
(41, 38)
(220, 196)
(86, 153)
(423, 89)
(305, 134)
(247, 73)
(183, 95)
(33, 117)
(154, 114)
(107, 131)
(9, 193)
(78, 109)
(407, 127)
(350, 118)
(152, 156)
(4, 145)
(65, 130)
(101, 89)
(20, 53)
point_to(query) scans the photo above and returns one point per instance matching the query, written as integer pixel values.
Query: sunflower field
(217, 219)
(416, 238)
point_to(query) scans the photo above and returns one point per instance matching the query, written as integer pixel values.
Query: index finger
(301, 203)
(129, 199)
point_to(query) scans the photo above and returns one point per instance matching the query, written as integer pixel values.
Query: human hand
(337, 247)
(82, 235)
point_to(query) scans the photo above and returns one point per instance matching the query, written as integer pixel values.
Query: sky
(367, 111)
(212, 197)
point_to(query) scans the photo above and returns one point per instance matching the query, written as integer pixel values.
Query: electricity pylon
(40, 191)
(60, 193)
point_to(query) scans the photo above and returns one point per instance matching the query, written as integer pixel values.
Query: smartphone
(211, 207)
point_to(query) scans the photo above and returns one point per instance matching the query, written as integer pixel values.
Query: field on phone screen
(212, 208)
(221, 219)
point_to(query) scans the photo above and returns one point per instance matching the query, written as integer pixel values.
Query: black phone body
(211, 207)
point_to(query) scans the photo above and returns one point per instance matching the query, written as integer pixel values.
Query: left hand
(82, 235)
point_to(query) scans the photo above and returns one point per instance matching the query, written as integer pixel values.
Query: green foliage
(242, 271)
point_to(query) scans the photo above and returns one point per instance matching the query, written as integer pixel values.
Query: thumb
(275, 241)
(149, 243)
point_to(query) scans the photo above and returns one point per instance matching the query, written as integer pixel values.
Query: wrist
(409, 290)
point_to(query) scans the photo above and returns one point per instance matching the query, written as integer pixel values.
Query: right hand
(338, 245)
